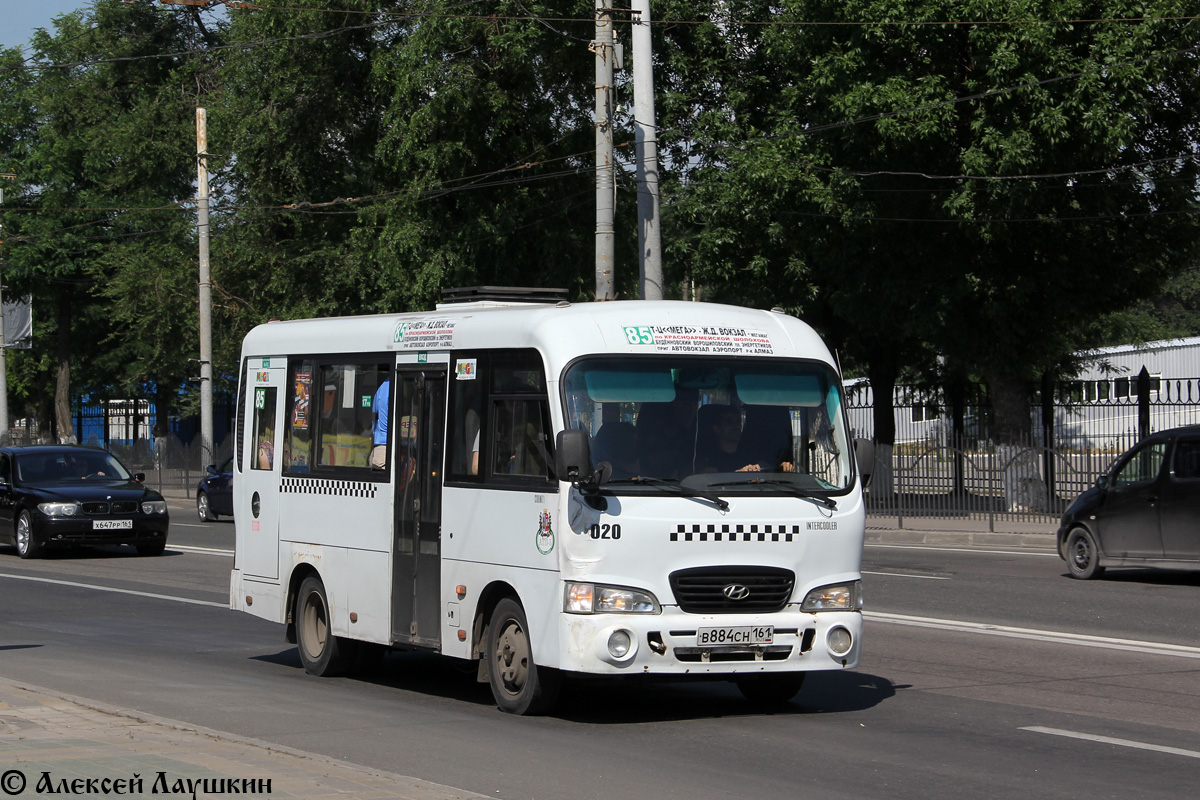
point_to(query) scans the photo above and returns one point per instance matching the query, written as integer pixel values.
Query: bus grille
(713, 590)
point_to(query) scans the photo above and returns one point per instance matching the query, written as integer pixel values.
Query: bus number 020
(606, 531)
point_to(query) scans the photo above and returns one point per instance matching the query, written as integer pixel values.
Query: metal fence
(945, 464)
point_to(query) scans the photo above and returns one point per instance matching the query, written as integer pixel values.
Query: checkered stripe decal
(330, 488)
(735, 533)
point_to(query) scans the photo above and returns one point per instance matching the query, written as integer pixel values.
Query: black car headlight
(154, 506)
(60, 509)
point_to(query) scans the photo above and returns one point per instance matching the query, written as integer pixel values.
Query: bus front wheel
(321, 652)
(519, 685)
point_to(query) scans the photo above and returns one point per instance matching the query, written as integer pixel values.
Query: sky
(19, 18)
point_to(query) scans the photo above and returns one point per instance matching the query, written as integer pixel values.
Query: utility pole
(206, 370)
(650, 273)
(602, 46)
(4, 436)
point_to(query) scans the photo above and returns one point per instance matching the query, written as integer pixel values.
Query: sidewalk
(940, 531)
(57, 744)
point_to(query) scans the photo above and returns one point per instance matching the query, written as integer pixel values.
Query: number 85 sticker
(639, 335)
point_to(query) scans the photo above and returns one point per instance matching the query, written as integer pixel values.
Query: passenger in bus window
(666, 436)
(266, 449)
(720, 435)
(379, 432)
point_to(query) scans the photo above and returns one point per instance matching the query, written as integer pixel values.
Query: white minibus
(552, 490)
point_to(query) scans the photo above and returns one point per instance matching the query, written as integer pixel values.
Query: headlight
(154, 507)
(836, 597)
(59, 509)
(591, 598)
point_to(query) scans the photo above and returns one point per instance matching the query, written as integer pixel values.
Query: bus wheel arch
(321, 652)
(492, 594)
(519, 685)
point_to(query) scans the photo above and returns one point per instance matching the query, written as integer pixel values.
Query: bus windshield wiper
(790, 488)
(719, 502)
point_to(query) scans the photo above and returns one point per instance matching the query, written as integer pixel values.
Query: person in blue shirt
(379, 432)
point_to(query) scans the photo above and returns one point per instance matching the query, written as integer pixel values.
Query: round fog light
(618, 644)
(840, 641)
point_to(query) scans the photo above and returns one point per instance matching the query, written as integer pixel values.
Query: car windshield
(68, 466)
(732, 425)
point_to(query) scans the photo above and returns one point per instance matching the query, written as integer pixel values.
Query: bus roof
(561, 332)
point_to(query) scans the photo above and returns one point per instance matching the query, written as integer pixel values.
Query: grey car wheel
(27, 544)
(203, 509)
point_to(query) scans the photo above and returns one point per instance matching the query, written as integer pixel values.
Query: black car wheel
(27, 544)
(1083, 557)
(203, 509)
(152, 549)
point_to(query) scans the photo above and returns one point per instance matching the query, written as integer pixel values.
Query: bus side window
(264, 428)
(466, 416)
(519, 439)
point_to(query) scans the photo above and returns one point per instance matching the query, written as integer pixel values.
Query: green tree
(919, 183)
(106, 144)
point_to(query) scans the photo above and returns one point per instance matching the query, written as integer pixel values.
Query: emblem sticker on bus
(545, 534)
(465, 369)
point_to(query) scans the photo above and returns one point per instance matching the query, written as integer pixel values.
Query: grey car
(1144, 512)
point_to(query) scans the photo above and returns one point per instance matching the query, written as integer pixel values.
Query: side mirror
(140, 477)
(212, 469)
(572, 456)
(864, 454)
(1102, 481)
(573, 463)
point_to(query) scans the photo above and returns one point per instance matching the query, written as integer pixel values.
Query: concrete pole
(3, 342)
(605, 197)
(206, 369)
(4, 436)
(650, 273)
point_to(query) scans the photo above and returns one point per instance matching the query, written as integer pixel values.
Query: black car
(214, 495)
(1145, 512)
(63, 496)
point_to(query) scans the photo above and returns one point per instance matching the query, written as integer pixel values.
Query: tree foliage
(923, 184)
(953, 185)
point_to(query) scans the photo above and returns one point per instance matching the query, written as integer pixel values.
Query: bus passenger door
(418, 439)
(258, 550)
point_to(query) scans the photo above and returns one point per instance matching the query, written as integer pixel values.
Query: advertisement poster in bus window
(303, 389)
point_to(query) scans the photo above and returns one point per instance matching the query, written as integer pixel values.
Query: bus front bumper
(675, 643)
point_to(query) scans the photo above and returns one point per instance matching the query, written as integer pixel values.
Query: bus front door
(418, 438)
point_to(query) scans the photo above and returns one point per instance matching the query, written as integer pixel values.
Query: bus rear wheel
(519, 685)
(321, 652)
(773, 689)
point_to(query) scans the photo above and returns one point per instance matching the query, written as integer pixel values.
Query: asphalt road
(985, 674)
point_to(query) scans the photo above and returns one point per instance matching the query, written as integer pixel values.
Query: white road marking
(208, 551)
(37, 579)
(905, 575)
(975, 550)
(1057, 637)
(1176, 751)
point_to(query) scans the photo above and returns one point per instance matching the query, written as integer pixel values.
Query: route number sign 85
(639, 335)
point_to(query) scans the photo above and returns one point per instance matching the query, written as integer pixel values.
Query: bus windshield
(729, 424)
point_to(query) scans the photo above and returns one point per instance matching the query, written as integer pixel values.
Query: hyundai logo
(735, 591)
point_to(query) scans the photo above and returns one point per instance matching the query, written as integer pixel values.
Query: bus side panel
(369, 596)
(516, 528)
(512, 537)
(337, 513)
(262, 598)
